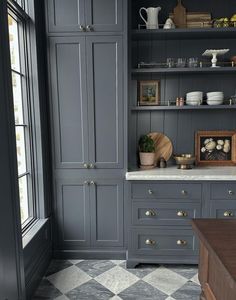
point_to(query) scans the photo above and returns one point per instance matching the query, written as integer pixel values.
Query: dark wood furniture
(217, 265)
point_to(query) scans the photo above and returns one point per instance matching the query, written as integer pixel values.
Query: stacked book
(197, 19)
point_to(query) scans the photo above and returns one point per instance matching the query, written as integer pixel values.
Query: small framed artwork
(149, 92)
(216, 148)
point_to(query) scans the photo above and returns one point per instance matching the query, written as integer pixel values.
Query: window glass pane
(23, 190)
(20, 148)
(14, 43)
(17, 97)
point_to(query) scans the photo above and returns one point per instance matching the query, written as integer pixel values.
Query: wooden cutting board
(180, 15)
(163, 145)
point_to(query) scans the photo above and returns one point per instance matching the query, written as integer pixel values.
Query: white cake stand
(214, 53)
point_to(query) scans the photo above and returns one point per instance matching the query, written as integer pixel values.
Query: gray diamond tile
(141, 270)
(187, 271)
(190, 291)
(95, 267)
(46, 291)
(91, 290)
(57, 265)
(142, 291)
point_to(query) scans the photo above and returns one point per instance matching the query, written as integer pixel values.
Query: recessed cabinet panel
(104, 67)
(107, 213)
(104, 15)
(223, 209)
(69, 101)
(73, 213)
(65, 16)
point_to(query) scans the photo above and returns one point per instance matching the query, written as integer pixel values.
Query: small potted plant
(146, 151)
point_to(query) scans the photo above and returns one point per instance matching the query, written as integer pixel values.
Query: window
(22, 111)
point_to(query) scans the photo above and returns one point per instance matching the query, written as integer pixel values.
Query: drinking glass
(193, 62)
(170, 62)
(181, 62)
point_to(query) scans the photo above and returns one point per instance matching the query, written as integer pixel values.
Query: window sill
(30, 234)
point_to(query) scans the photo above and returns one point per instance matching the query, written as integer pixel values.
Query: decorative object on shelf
(146, 152)
(169, 24)
(163, 146)
(184, 161)
(197, 20)
(192, 62)
(177, 102)
(214, 53)
(170, 62)
(217, 148)
(194, 98)
(215, 98)
(233, 59)
(179, 15)
(181, 101)
(149, 92)
(152, 17)
(162, 163)
(181, 62)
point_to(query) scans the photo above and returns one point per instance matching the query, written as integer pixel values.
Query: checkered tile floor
(109, 279)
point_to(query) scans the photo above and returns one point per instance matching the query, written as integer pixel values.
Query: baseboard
(90, 254)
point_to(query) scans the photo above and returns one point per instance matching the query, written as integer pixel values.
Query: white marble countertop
(197, 173)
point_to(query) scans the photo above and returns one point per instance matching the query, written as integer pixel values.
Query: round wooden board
(163, 145)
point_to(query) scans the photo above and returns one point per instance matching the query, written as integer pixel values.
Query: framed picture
(216, 148)
(149, 92)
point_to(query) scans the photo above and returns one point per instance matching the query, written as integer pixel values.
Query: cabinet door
(104, 15)
(105, 101)
(223, 209)
(73, 216)
(65, 16)
(69, 101)
(106, 198)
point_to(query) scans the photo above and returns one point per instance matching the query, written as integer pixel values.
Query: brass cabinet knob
(92, 182)
(183, 192)
(150, 192)
(182, 213)
(89, 28)
(82, 28)
(228, 214)
(86, 166)
(181, 242)
(150, 213)
(91, 166)
(231, 192)
(86, 182)
(150, 242)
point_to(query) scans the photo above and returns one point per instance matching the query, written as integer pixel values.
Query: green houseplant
(146, 151)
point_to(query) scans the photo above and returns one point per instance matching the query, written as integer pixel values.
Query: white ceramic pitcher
(152, 17)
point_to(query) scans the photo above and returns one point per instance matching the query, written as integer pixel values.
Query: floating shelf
(178, 34)
(184, 70)
(185, 107)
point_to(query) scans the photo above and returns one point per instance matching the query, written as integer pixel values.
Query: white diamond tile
(116, 279)
(118, 262)
(170, 298)
(75, 261)
(195, 279)
(68, 279)
(115, 298)
(63, 297)
(165, 280)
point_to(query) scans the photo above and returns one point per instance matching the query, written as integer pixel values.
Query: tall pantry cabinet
(87, 99)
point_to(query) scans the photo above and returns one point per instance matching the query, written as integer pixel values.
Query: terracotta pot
(147, 159)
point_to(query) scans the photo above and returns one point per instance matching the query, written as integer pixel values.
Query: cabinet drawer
(163, 242)
(152, 213)
(223, 209)
(165, 191)
(220, 191)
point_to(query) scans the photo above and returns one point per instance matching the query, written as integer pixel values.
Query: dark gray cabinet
(89, 213)
(87, 94)
(84, 15)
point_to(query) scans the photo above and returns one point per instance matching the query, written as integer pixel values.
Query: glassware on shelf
(170, 62)
(181, 62)
(193, 62)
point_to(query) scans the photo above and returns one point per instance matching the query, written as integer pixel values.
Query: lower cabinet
(159, 218)
(89, 214)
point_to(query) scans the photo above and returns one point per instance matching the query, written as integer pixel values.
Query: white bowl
(194, 102)
(197, 93)
(214, 94)
(214, 102)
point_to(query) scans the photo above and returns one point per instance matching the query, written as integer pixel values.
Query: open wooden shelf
(185, 33)
(184, 70)
(185, 107)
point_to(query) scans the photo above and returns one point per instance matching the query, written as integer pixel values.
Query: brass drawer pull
(150, 192)
(231, 192)
(182, 214)
(150, 242)
(92, 182)
(181, 242)
(86, 166)
(183, 192)
(82, 28)
(228, 214)
(150, 213)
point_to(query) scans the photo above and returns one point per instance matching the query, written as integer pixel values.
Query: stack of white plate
(215, 98)
(194, 98)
